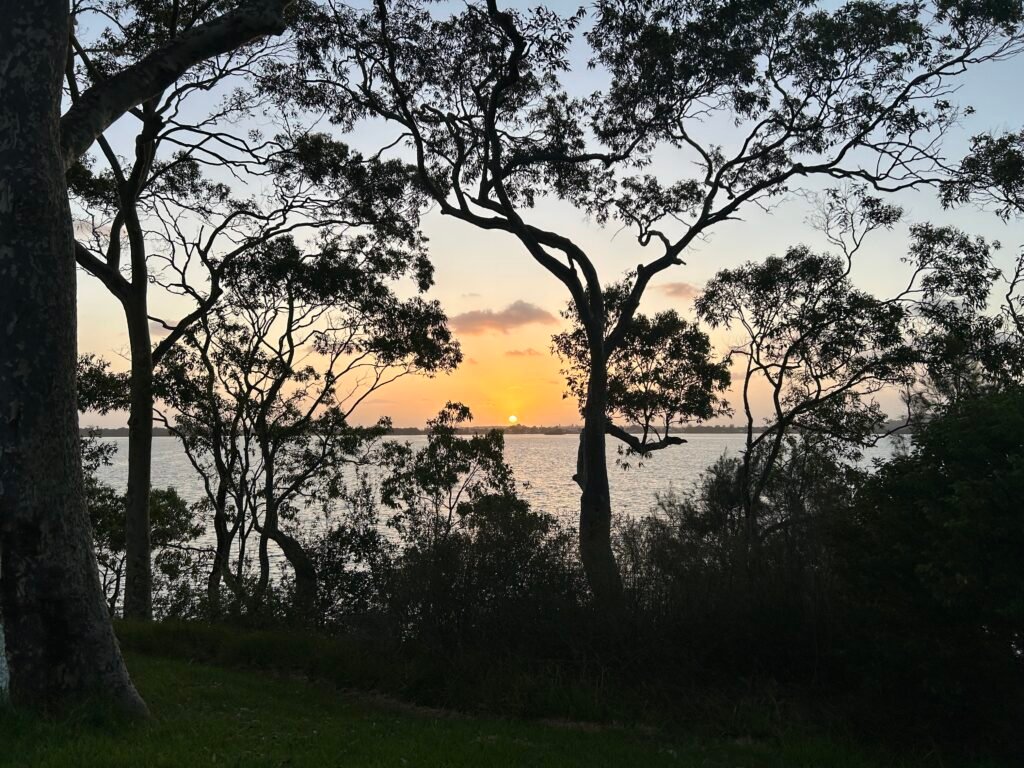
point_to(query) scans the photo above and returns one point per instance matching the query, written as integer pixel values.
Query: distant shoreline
(727, 429)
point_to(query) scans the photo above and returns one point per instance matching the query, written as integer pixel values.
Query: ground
(205, 715)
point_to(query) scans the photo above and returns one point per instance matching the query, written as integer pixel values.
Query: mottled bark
(3, 664)
(60, 643)
(91, 114)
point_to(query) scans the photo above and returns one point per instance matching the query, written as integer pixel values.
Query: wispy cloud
(679, 290)
(156, 330)
(528, 352)
(516, 314)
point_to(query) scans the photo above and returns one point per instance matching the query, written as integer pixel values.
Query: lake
(543, 465)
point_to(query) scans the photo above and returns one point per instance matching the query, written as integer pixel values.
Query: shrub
(931, 557)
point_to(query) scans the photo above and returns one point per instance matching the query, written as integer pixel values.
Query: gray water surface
(543, 465)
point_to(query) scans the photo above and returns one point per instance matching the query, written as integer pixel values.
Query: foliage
(431, 489)
(174, 529)
(686, 567)
(966, 348)
(813, 336)
(660, 376)
(991, 174)
(932, 552)
(262, 394)
(475, 563)
(354, 560)
(99, 389)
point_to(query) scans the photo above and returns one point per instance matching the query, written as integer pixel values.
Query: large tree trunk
(595, 500)
(60, 644)
(138, 582)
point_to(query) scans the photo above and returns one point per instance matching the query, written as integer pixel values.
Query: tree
(262, 394)
(858, 92)
(991, 175)
(660, 377)
(432, 489)
(59, 641)
(173, 215)
(817, 350)
(820, 347)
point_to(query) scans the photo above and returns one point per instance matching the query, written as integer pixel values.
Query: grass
(205, 715)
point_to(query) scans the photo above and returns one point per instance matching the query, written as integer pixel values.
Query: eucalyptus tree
(991, 176)
(172, 215)
(59, 642)
(818, 348)
(861, 91)
(263, 392)
(817, 351)
(661, 376)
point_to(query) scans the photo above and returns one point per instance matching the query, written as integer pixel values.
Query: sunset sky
(504, 308)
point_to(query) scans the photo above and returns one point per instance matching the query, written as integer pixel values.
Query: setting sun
(513, 419)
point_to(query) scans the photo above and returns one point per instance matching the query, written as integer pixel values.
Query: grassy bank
(208, 715)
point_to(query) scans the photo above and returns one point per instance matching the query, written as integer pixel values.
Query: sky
(503, 307)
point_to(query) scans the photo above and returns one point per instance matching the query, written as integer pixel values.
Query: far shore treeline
(892, 427)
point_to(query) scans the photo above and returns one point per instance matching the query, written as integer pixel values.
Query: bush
(697, 582)
(931, 558)
(507, 577)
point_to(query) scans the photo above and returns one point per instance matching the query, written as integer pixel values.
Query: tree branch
(636, 444)
(104, 103)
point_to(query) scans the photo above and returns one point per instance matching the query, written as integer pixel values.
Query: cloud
(514, 315)
(679, 290)
(156, 330)
(528, 352)
(471, 295)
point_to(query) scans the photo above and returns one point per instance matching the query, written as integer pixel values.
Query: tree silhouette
(858, 92)
(59, 641)
(169, 218)
(262, 393)
(660, 377)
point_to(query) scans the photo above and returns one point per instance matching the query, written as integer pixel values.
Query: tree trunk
(221, 559)
(595, 500)
(263, 582)
(138, 582)
(61, 647)
(305, 572)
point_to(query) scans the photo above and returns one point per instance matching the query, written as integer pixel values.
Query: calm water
(543, 464)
